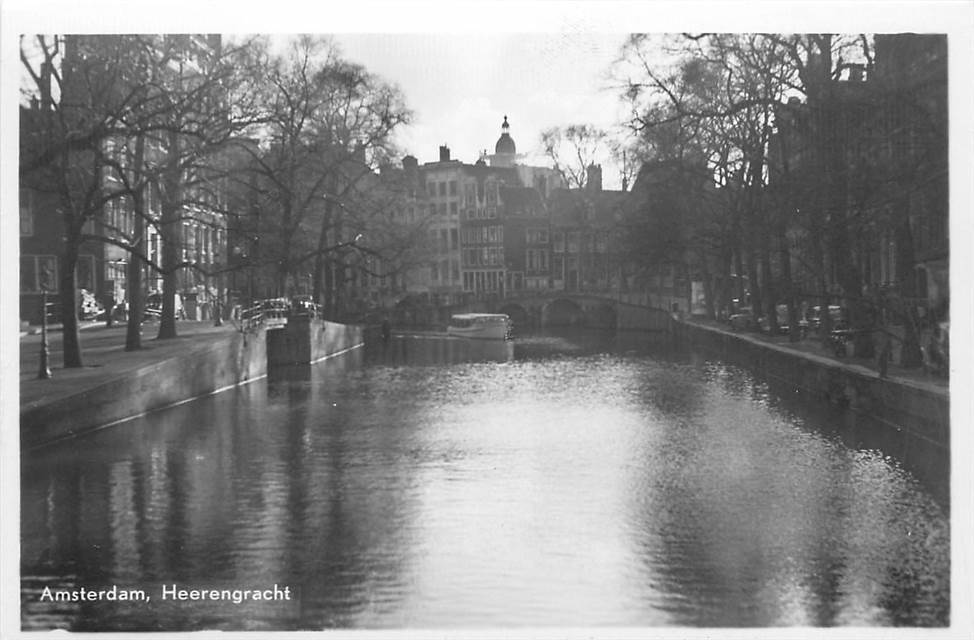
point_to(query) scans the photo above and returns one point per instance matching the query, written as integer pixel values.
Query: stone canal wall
(306, 341)
(923, 410)
(227, 361)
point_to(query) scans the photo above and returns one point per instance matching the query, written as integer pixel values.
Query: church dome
(505, 144)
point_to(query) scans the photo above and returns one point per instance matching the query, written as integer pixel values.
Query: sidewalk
(813, 347)
(104, 356)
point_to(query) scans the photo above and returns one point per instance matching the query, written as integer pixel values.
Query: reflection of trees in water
(749, 520)
(929, 462)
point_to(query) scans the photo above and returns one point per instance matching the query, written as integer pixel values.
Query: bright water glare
(572, 480)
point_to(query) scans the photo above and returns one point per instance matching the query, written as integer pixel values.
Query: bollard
(45, 369)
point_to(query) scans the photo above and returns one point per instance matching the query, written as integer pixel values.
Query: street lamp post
(45, 370)
(218, 321)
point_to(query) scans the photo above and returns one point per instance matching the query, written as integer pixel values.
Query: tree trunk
(770, 299)
(754, 283)
(788, 292)
(821, 285)
(172, 241)
(708, 287)
(911, 355)
(133, 271)
(321, 279)
(68, 287)
(740, 292)
(133, 276)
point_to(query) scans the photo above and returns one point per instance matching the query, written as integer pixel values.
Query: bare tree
(328, 124)
(80, 103)
(573, 149)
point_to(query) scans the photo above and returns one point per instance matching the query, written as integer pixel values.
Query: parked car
(837, 313)
(744, 319)
(153, 307)
(784, 327)
(303, 305)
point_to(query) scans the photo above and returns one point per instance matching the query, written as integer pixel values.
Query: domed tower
(505, 151)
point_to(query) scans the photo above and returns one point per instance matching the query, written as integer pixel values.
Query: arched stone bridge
(579, 309)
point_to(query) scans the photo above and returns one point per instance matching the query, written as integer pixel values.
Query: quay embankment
(913, 403)
(117, 386)
(304, 340)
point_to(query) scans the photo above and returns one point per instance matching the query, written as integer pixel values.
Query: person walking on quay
(109, 309)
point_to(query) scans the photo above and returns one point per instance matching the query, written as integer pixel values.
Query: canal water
(563, 480)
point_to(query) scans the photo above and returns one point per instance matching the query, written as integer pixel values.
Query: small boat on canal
(486, 326)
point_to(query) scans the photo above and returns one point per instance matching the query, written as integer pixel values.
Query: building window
(573, 242)
(454, 241)
(442, 188)
(26, 212)
(559, 239)
(85, 272)
(115, 272)
(431, 188)
(453, 187)
(38, 273)
(454, 209)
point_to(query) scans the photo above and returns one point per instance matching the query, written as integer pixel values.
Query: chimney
(593, 180)
(410, 169)
(410, 164)
(444, 153)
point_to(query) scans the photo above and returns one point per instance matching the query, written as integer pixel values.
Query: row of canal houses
(498, 228)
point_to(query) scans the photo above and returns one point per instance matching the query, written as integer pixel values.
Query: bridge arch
(518, 313)
(562, 312)
(602, 315)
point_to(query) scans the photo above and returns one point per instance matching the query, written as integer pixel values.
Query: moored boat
(488, 326)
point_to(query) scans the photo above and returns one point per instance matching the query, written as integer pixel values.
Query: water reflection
(562, 479)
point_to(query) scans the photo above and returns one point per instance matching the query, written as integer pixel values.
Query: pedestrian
(109, 309)
(885, 354)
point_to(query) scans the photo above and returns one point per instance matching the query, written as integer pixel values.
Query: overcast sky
(460, 86)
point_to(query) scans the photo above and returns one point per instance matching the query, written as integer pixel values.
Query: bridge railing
(275, 312)
(250, 318)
